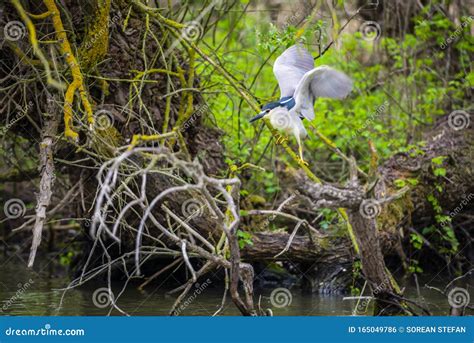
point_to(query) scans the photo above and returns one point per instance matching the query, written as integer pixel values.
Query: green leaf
(438, 160)
(400, 183)
(416, 240)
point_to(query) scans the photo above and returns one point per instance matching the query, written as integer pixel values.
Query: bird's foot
(302, 161)
(280, 139)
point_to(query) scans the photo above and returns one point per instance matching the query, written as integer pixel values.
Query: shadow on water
(25, 292)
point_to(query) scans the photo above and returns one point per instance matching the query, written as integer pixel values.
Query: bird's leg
(300, 150)
(280, 139)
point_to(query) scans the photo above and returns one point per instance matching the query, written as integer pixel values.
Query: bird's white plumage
(287, 121)
(321, 82)
(290, 67)
(297, 77)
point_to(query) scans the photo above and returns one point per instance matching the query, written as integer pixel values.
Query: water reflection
(43, 296)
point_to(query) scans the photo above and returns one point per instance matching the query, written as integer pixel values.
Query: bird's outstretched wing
(290, 67)
(320, 82)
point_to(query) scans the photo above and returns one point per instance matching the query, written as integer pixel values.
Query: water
(42, 296)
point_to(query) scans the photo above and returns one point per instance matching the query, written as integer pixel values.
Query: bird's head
(286, 102)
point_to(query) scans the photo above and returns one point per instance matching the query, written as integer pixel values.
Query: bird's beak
(258, 116)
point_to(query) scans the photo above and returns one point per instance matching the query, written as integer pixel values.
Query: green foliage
(356, 274)
(414, 267)
(416, 241)
(449, 236)
(355, 291)
(387, 114)
(434, 202)
(400, 183)
(245, 238)
(328, 219)
(65, 259)
(401, 86)
(275, 37)
(436, 163)
(444, 237)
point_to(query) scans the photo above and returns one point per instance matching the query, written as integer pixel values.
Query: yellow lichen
(35, 44)
(77, 82)
(136, 139)
(95, 44)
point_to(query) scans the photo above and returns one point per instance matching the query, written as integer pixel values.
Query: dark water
(26, 292)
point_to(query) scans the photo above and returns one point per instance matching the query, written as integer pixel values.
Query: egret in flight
(300, 85)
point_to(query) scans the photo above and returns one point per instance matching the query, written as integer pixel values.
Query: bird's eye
(268, 110)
